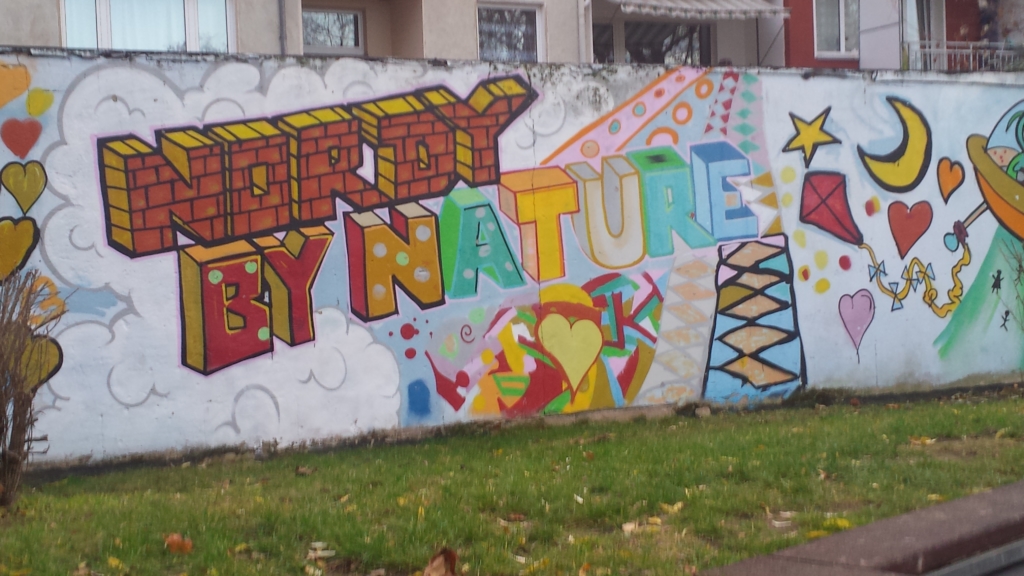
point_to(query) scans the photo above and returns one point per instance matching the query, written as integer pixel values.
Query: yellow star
(810, 135)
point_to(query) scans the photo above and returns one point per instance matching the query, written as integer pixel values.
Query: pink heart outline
(857, 311)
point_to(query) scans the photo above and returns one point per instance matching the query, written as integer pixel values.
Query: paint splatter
(845, 263)
(821, 259)
(871, 207)
(409, 331)
(410, 353)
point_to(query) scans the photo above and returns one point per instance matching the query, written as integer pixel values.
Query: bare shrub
(29, 310)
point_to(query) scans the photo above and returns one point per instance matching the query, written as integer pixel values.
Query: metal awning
(704, 9)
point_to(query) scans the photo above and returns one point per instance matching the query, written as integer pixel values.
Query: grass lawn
(530, 499)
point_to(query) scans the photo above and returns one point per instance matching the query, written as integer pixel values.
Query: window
(332, 32)
(151, 25)
(836, 28)
(656, 43)
(508, 34)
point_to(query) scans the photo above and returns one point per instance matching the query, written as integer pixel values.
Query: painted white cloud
(122, 388)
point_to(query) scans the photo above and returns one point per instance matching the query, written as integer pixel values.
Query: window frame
(542, 28)
(830, 54)
(358, 50)
(104, 36)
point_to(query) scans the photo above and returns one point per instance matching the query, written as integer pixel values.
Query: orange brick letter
(536, 200)
(325, 153)
(256, 162)
(223, 321)
(479, 120)
(145, 190)
(381, 257)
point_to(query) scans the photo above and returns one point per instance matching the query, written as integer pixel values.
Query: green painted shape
(557, 405)
(750, 78)
(535, 354)
(473, 241)
(745, 113)
(619, 284)
(513, 386)
(747, 146)
(526, 316)
(748, 96)
(745, 129)
(668, 199)
(968, 323)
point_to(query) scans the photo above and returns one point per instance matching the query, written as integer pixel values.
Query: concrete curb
(914, 543)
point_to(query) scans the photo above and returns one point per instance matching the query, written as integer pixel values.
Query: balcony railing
(962, 56)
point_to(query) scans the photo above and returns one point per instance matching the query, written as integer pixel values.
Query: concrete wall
(258, 26)
(800, 52)
(407, 28)
(880, 47)
(30, 23)
(280, 249)
(38, 23)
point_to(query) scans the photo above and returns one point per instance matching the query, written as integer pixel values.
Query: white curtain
(147, 25)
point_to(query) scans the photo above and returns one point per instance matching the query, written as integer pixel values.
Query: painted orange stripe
(662, 109)
(618, 109)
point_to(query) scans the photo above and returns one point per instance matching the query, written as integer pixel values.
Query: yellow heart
(25, 182)
(17, 240)
(41, 360)
(575, 347)
(38, 102)
(13, 81)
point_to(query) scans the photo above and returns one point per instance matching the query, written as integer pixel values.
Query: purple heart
(857, 312)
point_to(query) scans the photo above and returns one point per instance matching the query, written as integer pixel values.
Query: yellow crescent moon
(902, 169)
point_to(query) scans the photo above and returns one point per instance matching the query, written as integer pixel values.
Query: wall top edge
(986, 78)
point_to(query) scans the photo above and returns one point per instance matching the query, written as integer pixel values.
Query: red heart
(908, 224)
(20, 135)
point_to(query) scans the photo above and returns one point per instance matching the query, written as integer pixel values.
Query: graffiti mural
(251, 250)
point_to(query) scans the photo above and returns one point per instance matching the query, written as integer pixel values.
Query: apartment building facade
(695, 32)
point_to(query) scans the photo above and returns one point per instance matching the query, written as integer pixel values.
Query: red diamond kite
(824, 204)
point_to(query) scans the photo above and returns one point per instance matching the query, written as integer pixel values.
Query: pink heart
(857, 312)
(20, 135)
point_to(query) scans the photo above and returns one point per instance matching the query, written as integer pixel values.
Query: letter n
(149, 194)
(381, 257)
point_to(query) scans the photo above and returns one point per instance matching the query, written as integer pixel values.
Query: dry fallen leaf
(515, 517)
(629, 527)
(304, 471)
(318, 551)
(671, 508)
(837, 523)
(936, 498)
(443, 563)
(114, 563)
(176, 544)
(584, 568)
(588, 455)
(816, 534)
(313, 571)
